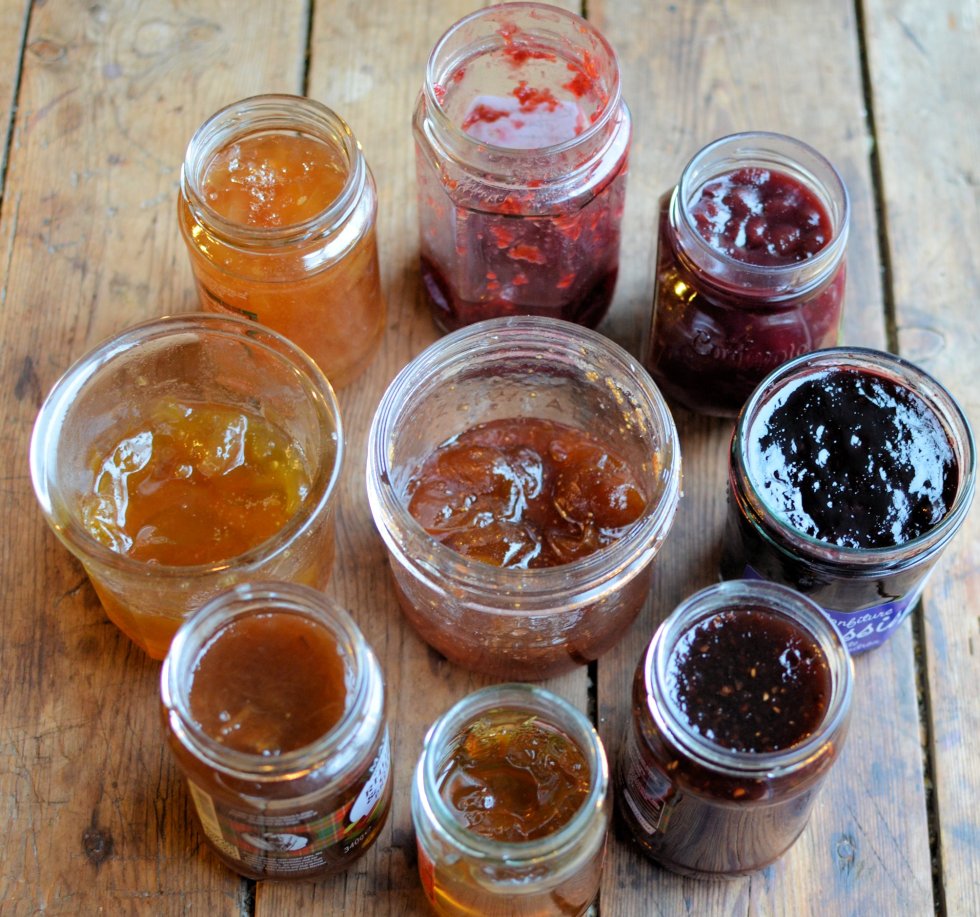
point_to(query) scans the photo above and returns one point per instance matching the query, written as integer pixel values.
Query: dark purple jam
(853, 459)
(750, 681)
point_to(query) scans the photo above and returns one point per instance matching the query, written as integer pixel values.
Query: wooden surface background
(98, 100)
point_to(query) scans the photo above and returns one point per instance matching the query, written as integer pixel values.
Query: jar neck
(778, 153)
(263, 115)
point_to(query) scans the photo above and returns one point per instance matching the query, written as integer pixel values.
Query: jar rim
(771, 598)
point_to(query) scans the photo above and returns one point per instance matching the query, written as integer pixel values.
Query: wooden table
(99, 99)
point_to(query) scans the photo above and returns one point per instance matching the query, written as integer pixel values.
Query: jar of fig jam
(274, 707)
(510, 806)
(523, 473)
(850, 471)
(521, 139)
(278, 207)
(740, 705)
(750, 268)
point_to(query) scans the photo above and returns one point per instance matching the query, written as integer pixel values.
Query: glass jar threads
(521, 140)
(850, 471)
(516, 413)
(510, 806)
(278, 207)
(750, 268)
(740, 705)
(273, 705)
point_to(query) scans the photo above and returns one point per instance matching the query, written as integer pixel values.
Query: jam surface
(853, 459)
(525, 493)
(750, 681)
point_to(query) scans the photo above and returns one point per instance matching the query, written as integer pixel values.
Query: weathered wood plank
(13, 25)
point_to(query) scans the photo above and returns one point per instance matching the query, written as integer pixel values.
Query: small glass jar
(466, 872)
(713, 810)
(138, 384)
(522, 140)
(867, 584)
(727, 311)
(270, 808)
(278, 207)
(508, 622)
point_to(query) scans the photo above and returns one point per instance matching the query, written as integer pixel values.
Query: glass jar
(706, 789)
(273, 705)
(464, 870)
(521, 140)
(278, 207)
(252, 417)
(728, 308)
(510, 622)
(894, 458)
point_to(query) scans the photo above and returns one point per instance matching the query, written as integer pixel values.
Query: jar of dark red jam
(523, 473)
(510, 806)
(851, 469)
(740, 705)
(521, 139)
(750, 268)
(273, 705)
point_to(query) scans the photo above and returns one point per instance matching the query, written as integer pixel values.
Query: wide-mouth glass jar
(850, 471)
(150, 454)
(750, 268)
(715, 778)
(506, 621)
(278, 208)
(466, 870)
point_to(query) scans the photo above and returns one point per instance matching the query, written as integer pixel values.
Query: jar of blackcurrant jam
(740, 706)
(850, 471)
(750, 268)
(521, 139)
(523, 473)
(273, 705)
(510, 806)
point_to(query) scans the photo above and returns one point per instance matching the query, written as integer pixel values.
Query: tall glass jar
(465, 871)
(700, 792)
(273, 705)
(278, 207)
(750, 268)
(850, 471)
(507, 621)
(521, 139)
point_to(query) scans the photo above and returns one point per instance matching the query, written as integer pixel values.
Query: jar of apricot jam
(850, 471)
(273, 705)
(278, 207)
(523, 473)
(510, 806)
(750, 268)
(740, 706)
(522, 140)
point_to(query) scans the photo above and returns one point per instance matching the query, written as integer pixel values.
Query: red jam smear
(525, 493)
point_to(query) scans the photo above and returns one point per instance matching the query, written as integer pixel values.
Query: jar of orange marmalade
(273, 704)
(278, 207)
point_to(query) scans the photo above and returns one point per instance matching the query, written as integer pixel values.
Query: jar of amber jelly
(850, 471)
(750, 268)
(523, 473)
(278, 207)
(740, 705)
(273, 705)
(521, 139)
(510, 806)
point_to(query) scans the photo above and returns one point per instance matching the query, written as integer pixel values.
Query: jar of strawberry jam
(510, 806)
(850, 471)
(273, 705)
(740, 706)
(750, 268)
(521, 139)
(278, 207)
(523, 473)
